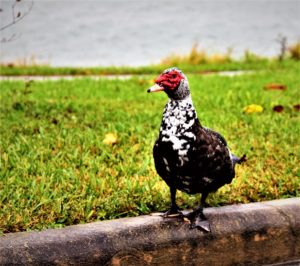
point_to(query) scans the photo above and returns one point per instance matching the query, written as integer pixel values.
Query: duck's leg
(197, 217)
(174, 210)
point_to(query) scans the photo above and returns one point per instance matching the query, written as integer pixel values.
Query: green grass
(251, 63)
(56, 170)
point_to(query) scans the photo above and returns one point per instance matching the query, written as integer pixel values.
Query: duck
(188, 156)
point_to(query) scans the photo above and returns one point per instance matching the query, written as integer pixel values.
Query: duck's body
(188, 156)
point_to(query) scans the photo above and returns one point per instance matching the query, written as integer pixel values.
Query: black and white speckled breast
(176, 127)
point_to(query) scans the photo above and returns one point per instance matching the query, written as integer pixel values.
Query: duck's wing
(211, 157)
(217, 134)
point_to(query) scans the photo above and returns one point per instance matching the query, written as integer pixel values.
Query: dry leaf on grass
(275, 86)
(278, 108)
(110, 139)
(297, 107)
(253, 108)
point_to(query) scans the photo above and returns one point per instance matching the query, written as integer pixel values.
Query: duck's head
(173, 82)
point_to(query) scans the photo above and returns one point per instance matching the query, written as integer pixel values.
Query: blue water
(119, 32)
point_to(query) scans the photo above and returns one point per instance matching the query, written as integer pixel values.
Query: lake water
(115, 32)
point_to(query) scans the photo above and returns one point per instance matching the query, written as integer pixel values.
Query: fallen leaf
(275, 86)
(110, 139)
(253, 108)
(278, 108)
(54, 121)
(297, 107)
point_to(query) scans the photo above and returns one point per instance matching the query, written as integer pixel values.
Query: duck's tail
(238, 160)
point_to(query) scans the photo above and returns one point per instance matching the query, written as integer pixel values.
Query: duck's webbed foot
(200, 224)
(197, 217)
(198, 220)
(173, 212)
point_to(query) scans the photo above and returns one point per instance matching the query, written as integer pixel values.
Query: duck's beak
(155, 88)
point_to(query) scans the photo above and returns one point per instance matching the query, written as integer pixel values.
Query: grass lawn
(246, 64)
(56, 170)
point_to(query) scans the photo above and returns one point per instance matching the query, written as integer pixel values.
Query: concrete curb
(247, 234)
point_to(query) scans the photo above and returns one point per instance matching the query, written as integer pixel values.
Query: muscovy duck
(188, 156)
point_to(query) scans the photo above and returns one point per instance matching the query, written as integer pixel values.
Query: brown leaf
(297, 107)
(19, 14)
(275, 86)
(278, 108)
(54, 121)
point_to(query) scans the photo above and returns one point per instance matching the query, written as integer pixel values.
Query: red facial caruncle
(169, 80)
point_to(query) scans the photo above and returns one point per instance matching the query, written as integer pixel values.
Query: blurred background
(134, 33)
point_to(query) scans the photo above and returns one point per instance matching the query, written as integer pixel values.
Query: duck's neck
(178, 117)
